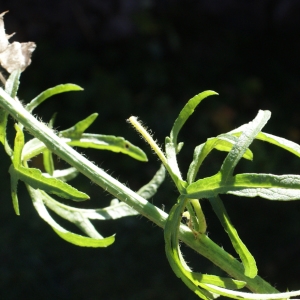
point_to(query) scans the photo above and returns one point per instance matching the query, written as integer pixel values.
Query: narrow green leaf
(172, 161)
(95, 141)
(64, 175)
(268, 186)
(203, 290)
(3, 123)
(244, 141)
(84, 241)
(186, 112)
(200, 284)
(172, 250)
(272, 139)
(224, 282)
(249, 296)
(32, 148)
(14, 194)
(76, 239)
(241, 249)
(62, 88)
(48, 161)
(11, 88)
(74, 216)
(108, 142)
(222, 142)
(35, 178)
(116, 209)
(226, 142)
(149, 190)
(12, 83)
(79, 128)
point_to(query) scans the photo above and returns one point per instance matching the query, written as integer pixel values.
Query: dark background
(147, 58)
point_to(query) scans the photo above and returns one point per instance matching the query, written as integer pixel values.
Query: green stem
(204, 245)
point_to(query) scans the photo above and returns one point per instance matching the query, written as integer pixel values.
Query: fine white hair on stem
(146, 135)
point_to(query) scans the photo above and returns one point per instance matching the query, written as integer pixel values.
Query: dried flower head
(16, 55)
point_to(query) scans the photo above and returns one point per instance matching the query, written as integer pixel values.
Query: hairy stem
(204, 245)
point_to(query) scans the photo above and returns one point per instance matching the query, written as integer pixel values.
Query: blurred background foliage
(147, 58)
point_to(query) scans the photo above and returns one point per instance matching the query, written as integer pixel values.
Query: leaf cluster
(192, 190)
(41, 186)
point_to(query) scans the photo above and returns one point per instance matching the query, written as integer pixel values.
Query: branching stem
(205, 246)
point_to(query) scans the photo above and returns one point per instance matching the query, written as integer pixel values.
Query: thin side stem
(139, 127)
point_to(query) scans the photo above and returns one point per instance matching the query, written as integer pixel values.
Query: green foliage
(191, 190)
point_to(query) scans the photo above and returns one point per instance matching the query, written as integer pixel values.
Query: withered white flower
(16, 55)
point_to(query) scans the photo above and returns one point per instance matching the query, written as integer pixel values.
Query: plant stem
(204, 245)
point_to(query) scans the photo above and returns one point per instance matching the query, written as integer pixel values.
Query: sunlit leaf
(186, 112)
(76, 239)
(272, 139)
(268, 186)
(244, 141)
(62, 88)
(108, 142)
(64, 175)
(79, 128)
(222, 142)
(173, 165)
(35, 178)
(48, 161)
(197, 282)
(116, 209)
(14, 194)
(244, 254)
